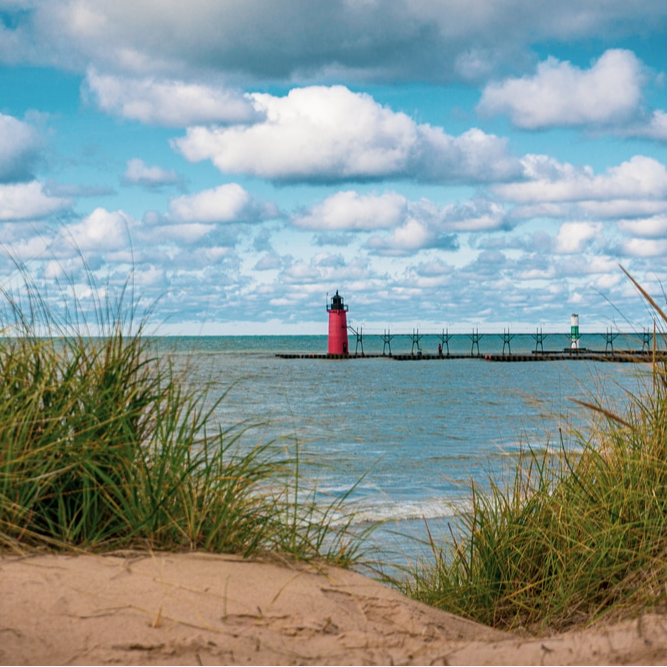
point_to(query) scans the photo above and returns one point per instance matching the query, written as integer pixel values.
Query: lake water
(414, 433)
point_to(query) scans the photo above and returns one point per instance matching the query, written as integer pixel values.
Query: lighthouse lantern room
(337, 325)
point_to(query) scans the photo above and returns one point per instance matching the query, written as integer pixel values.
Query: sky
(443, 164)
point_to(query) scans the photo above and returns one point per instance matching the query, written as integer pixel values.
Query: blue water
(410, 435)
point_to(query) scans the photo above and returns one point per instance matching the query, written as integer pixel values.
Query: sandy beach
(201, 609)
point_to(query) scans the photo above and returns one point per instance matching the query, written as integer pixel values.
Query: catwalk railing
(610, 345)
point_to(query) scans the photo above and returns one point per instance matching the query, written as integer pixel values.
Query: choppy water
(414, 433)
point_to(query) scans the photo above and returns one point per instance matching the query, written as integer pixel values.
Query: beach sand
(201, 609)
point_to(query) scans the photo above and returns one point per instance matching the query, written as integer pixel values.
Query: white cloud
(622, 208)
(574, 237)
(301, 273)
(391, 40)
(607, 281)
(578, 265)
(655, 128)
(413, 235)
(168, 102)
(139, 173)
(269, 262)
(409, 238)
(226, 203)
(23, 201)
(323, 269)
(19, 149)
(654, 227)
(644, 248)
(331, 134)
(415, 224)
(150, 276)
(350, 211)
(474, 216)
(590, 209)
(27, 248)
(560, 94)
(549, 181)
(434, 268)
(101, 231)
(187, 233)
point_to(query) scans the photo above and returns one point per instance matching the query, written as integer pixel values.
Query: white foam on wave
(371, 511)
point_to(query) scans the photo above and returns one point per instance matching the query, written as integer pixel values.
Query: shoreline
(198, 608)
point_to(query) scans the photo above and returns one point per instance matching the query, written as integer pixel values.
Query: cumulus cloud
(24, 201)
(117, 237)
(226, 203)
(607, 96)
(434, 268)
(262, 242)
(340, 239)
(168, 102)
(76, 190)
(324, 269)
(350, 211)
(574, 237)
(188, 233)
(102, 230)
(547, 180)
(654, 227)
(300, 40)
(20, 146)
(139, 173)
(560, 94)
(269, 262)
(621, 208)
(478, 215)
(655, 127)
(414, 225)
(410, 237)
(644, 248)
(331, 134)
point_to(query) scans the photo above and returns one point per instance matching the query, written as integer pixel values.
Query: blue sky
(441, 163)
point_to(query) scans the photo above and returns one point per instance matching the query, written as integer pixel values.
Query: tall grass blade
(576, 534)
(105, 445)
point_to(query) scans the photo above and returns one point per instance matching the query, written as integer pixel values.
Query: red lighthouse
(337, 325)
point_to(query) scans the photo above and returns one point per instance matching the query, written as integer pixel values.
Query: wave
(407, 510)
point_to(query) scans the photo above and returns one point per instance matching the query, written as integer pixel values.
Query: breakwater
(624, 356)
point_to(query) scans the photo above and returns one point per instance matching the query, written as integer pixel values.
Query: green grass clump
(103, 445)
(575, 535)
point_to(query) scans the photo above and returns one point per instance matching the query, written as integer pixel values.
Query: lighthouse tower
(574, 332)
(337, 325)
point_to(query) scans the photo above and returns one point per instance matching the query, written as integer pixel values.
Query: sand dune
(205, 609)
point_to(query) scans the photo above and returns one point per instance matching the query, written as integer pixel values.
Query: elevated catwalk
(575, 347)
(620, 356)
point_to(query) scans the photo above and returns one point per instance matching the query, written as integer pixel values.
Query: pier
(621, 356)
(645, 346)
(505, 347)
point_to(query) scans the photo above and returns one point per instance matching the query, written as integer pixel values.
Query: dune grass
(577, 534)
(104, 446)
